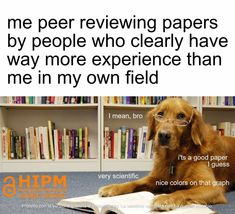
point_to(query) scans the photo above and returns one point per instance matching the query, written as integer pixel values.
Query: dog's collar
(172, 169)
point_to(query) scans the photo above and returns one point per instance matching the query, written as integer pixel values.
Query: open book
(138, 203)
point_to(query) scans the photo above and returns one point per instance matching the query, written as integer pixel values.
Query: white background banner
(117, 47)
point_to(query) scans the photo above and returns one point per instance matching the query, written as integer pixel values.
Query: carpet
(78, 184)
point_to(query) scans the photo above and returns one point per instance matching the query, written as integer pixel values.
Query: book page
(139, 208)
(137, 203)
(192, 209)
(90, 201)
(137, 200)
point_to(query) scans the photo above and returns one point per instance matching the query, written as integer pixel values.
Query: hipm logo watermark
(35, 186)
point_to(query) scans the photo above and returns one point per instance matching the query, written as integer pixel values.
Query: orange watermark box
(35, 186)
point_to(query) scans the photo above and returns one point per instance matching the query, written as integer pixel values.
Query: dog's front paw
(110, 190)
(166, 202)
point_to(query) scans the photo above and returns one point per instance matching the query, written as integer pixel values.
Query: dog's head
(173, 121)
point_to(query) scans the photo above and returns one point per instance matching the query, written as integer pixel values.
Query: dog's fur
(197, 139)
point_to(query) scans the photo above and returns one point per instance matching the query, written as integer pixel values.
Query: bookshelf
(70, 116)
(217, 113)
(123, 110)
(115, 116)
(95, 116)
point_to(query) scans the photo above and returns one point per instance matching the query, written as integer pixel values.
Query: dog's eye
(160, 113)
(181, 116)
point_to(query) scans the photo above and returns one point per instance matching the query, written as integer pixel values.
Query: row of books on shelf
(218, 101)
(46, 143)
(49, 100)
(136, 100)
(127, 143)
(225, 129)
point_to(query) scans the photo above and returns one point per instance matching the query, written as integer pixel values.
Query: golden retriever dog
(192, 164)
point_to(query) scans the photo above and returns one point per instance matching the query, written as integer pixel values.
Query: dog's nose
(164, 137)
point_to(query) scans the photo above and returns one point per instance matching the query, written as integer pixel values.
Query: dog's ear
(198, 128)
(151, 124)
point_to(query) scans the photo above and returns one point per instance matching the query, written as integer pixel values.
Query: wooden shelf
(48, 106)
(50, 165)
(126, 164)
(129, 106)
(216, 107)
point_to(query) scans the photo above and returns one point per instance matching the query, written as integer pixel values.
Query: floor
(77, 184)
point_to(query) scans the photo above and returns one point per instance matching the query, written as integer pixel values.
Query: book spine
(222, 101)
(144, 142)
(51, 127)
(32, 143)
(37, 143)
(148, 149)
(128, 100)
(115, 145)
(55, 131)
(89, 151)
(70, 144)
(64, 143)
(46, 143)
(226, 100)
(21, 147)
(135, 144)
(86, 143)
(23, 143)
(124, 100)
(67, 152)
(96, 99)
(127, 141)
(43, 100)
(119, 141)
(112, 144)
(27, 139)
(41, 142)
(77, 147)
(233, 129)
(78, 100)
(73, 100)
(106, 143)
(139, 146)
(52, 100)
(12, 145)
(9, 144)
(4, 144)
(123, 142)
(80, 142)
(63, 146)
(17, 147)
(230, 101)
(59, 145)
(130, 143)
(84, 99)
(23, 100)
(73, 134)
(83, 143)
